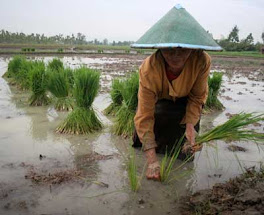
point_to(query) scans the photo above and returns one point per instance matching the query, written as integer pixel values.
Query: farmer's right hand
(153, 168)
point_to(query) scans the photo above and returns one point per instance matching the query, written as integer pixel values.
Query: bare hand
(190, 135)
(190, 146)
(153, 168)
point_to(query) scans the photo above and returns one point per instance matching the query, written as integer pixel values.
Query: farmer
(172, 87)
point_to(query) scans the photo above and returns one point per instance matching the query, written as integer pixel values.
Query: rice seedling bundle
(39, 85)
(214, 84)
(59, 86)
(124, 124)
(23, 77)
(231, 130)
(70, 77)
(82, 119)
(116, 96)
(55, 65)
(14, 66)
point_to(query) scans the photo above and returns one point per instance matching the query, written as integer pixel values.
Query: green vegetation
(233, 129)
(60, 50)
(18, 72)
(14, 66)
(214, 84)
(70, 76)
(59, 86)
(55, 65)
(167, 162)
(82, 119)
(27, 49)
(124, 124)
(39, 85)
(232, 42)
(22, 78)
(116, 96)
(254, 54)
(132, 171)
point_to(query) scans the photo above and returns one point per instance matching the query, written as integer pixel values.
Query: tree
(105, 41)
(233, 36)
(262, 36)
(249, 39)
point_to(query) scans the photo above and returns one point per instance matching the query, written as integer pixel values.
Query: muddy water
(26, 132)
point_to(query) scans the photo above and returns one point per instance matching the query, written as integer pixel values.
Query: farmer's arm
(144, 119)
(196, 99)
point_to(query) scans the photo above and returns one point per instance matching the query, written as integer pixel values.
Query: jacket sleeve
(198, 94)
(144, 119)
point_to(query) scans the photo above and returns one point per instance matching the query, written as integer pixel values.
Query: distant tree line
(233, 43)
(79, 39)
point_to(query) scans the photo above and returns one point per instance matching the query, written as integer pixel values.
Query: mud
(99, 158)
(241, 195)
(59, 177)
(234, 148)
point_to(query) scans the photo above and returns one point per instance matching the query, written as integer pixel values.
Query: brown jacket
(154, 85)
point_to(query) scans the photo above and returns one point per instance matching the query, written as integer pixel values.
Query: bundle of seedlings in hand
(39, 85)
(233, 129)
(116, 96)
(59, 86)
(124, 124)
(132, 171)
(82, 119)
(214, 84)
(55, 65)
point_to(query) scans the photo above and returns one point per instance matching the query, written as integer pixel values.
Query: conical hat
(177, 29)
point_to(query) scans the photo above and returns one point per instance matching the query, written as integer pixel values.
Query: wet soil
(240, 195)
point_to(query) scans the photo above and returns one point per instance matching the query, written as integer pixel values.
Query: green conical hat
(177, 29)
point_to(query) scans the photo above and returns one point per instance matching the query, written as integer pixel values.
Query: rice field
(29, 141)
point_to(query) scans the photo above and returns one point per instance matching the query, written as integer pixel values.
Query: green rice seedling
(124, 124)
(116, 96)
(132, 171)
(60, 50)
(39, 85)
(14, 66)
(214, 84)
(233, 129)
(169, 159)
(22, 77)
(82, 119)
(55, 65)
(70, 76)
(59, 87)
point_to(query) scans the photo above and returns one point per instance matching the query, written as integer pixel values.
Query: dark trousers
(167, 128)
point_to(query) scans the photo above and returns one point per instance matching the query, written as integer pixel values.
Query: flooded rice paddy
(29, 149)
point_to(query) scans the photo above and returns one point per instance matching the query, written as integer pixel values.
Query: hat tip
(178, 6)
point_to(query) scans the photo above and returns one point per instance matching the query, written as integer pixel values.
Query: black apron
(167, 128)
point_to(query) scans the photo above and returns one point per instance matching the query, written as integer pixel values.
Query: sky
(127, 19)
